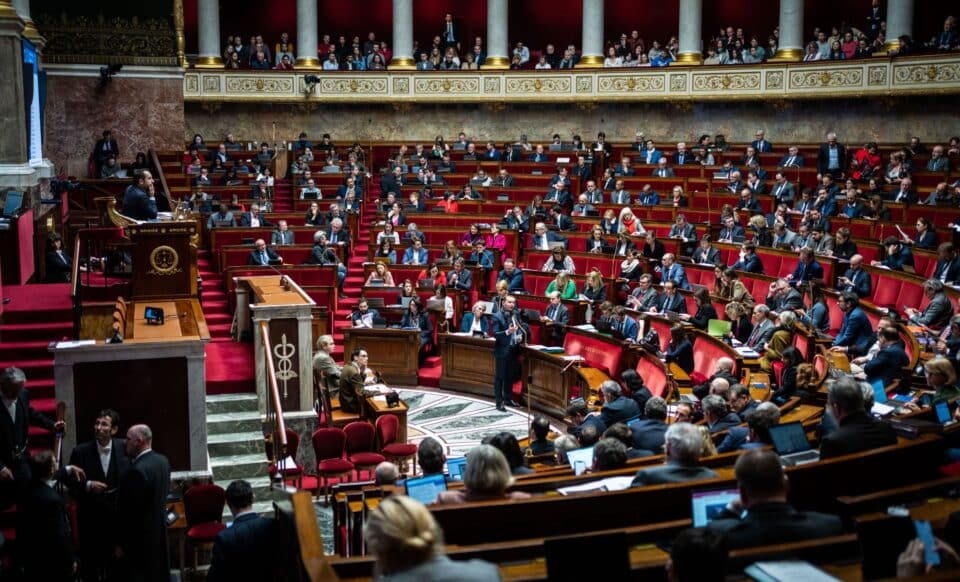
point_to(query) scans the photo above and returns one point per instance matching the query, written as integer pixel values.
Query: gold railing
(278, 427)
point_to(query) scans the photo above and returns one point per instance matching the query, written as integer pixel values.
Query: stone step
(228, 422)
(235, 443)
(230, 467)
(260, 485)
(264, 508)
(220, 403)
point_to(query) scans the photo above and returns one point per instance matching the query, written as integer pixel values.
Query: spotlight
(107, 73)
(311, 82)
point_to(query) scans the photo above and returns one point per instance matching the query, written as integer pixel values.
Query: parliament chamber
(492, 290)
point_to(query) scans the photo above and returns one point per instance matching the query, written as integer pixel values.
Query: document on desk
(573, 358)
(747, 352)
(75, 344)
(586, 327)
(608, 484)
(787, 571)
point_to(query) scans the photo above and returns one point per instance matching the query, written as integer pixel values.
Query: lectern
(165, 259)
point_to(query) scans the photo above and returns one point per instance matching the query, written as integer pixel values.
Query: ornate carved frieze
(107, 39)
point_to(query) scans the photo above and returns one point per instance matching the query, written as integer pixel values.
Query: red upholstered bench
(596, 352)
(655, 375)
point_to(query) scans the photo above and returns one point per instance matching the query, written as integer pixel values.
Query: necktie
(263, 257)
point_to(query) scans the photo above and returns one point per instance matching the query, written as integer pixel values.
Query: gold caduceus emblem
(284, 353)
(164, 260)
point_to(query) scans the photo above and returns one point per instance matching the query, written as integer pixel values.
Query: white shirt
(105, 454)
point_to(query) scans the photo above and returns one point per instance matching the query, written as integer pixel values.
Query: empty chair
(328, 448)
(203, 507)
(287, 469)
(360, 449)
(398, 453)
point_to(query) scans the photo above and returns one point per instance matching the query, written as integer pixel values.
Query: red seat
(654, 375)
(387, 427)
(359, 447)
(328, 448)
(203, 509)
(777, 367)
(292, 471)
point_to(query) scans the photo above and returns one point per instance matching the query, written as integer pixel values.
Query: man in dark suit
(283, 236)
(557, 318)
(141, 497)
(15, 423)
(948, 264)
(106, 148)
(460, 277)
(889, 362)
(602, 145)
(722, 368)
(731, 231)
(783, 191)
(512, 275)
(683, 445)
(509, 333)
(717, 414)
(856, 280)
(239, 550)
(783, 297)
(807, 268)
(648, 433)
(616, 406)
(137, 203)
(253, 218)
(749, 261)
(262, 254)
(44, 542)
(103, 461)
(831, 158)
(761, 144)
(543, 238)
(392, 182)
(763, 515)
(793, 159)
(857, 430)
(339, 236)
(936, 315)
(856, 334)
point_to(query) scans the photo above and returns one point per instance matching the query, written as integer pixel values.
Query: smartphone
(579, 467)
(925, 533)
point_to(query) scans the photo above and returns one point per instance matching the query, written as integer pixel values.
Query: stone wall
(143, 113)
(888, 121)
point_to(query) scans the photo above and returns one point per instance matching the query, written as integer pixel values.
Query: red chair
(387, 428)
(293, 471)
(360, 449)
(328, 448)
(777, 366)
(203, 507)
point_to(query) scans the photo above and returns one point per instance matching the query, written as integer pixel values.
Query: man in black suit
(15, 422)
(239, 550)
(831, 158)
(763, 515)
(253, 218)
(683, 445)
(509, 333)
(557, 318)
(103, 460)
(392, 182)
(888, 363)
(262, 254)
(44, 542)
(717, 414)
(616, 406)
(106, 148)
(648, 433)
(857, 430)
(141, 499)
(948, 264)
(137, 203)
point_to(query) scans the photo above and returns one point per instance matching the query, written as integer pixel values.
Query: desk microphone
(284, 280)
(568, 366)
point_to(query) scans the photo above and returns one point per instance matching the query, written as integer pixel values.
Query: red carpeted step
(229, 367)
(34, 369)
(47, 406)
(220, 329)
(52, 331)
(23, 350)
(40, 388)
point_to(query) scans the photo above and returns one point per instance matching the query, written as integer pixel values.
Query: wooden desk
(546, 383)
(393, 352)
(156, 376)
(377, 407)
(468, 363)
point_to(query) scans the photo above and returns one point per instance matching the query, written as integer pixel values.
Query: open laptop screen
(580, 459)
(708, 504)
(789, 438)
(426, 489)
(455, 468)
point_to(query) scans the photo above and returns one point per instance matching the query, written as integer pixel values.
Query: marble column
(29, 28)
(307, 35)
(208, 34)
(691, 32)
(592, 50)
(13, 140)
(498, 21)
(402, 36)
(791, 32)
(899, 23)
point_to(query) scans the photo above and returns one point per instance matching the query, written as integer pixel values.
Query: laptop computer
(374, 302)
(425, 284)
(426, 489)
(707, 504)
(405, 301)
(790, 441)
(455, 468)
(580, 459)
(556, 245)
(719, 327)
(376, 283)
(672, 316)
(435, 305)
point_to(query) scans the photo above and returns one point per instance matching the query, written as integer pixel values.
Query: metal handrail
(274, 404)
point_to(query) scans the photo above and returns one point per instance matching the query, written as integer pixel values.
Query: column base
(307, 63)
(496, 63)
(209, 63)
(890, 45)
(31, 33)
(402, 64)
(787, 55)
(689, 59)
(590, 61)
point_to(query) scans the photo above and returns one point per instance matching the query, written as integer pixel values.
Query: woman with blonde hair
(407, 543)
(629, 223)
(564, 285)
(486, 476)
(381, 275)
(709, 449)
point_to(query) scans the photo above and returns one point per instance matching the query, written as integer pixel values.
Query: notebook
(426, 489)
(455, 468)
(790, 441)
(709, 503)
(719, 327)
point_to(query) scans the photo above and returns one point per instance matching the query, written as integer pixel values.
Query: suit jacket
(663, 172)
(710, 256)
(390, 183)
(467, 323)
(676, 303)
(783, 192)
(537, 241)
(751, 264)
(257, 259)
(735, 234)
(514, 280)
(464, 279)
(887, 364)
(13, 434)
(503, 346)
(142, 495)
(730, 420)
(621, 197)
(860, 282)
(898, 260)
(138, 205)
(803, 273)
(44, 540)
(351, 388)
(855, 330)
(762, 146)
(104, 149)
(671, 473)
(790, 161)
(679, 159)
(647, 299)
(239, 550)
(736, 438)
(648, 434)
(620, 410)
(58, 267)
(937, 313)
(948, 271)
(857, 432)
(322, 362)
(677, 274)
(760, 335)
(281, 238)
(823, 158)
(246, 219)
(792, 300)
(775, 523)
(651, 157)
